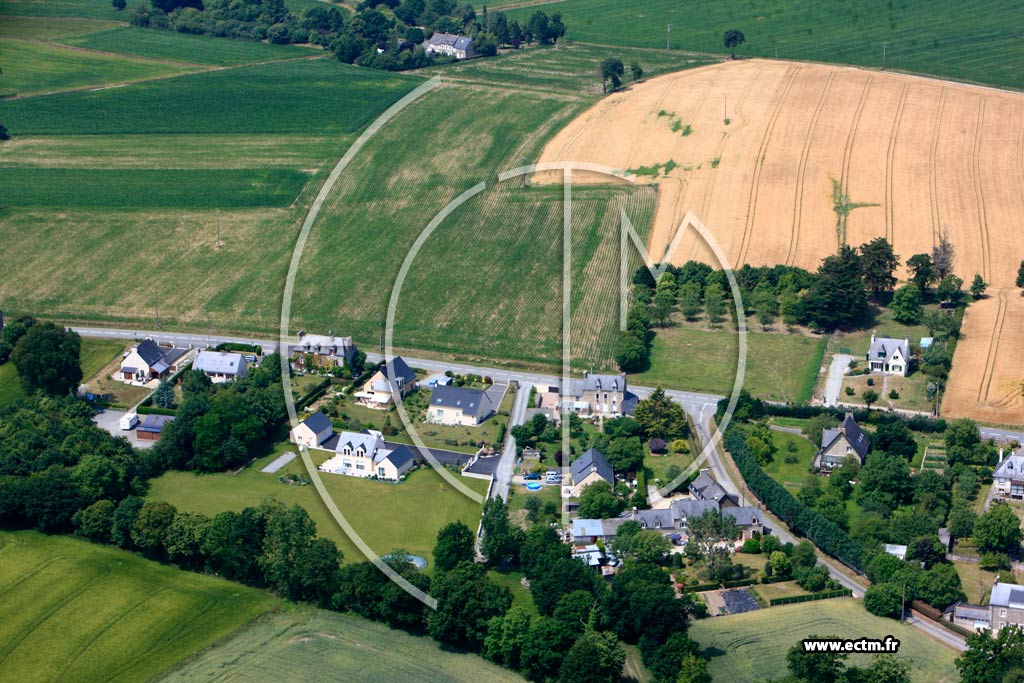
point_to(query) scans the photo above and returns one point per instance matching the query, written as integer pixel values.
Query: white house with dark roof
(221, 366)
(148, 360)
(459, 406)
(313, 431)
(1008, 479)
(324, 351)
(590, 468)
(450, 44)
(367, 454)
(889, 356)
(838, 444)
(393, 377)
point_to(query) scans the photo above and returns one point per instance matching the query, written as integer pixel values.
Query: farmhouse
(459, 406)
(367, 454)
(323, 351)
(152, 426)
(149, 361)
(593, 396)
(673, 521)
(1005, 608)
(450, 44)
(395, 377)
(1008, 478)
(221, 366)
(313, 431)
(848, 439)
(705, 488)
(590, 468)
(889, 356)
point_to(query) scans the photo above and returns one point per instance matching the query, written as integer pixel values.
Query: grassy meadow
(387, 516)
(46, 28)
(752, 646)
(973, 40)
(76, 611)
(302, 644)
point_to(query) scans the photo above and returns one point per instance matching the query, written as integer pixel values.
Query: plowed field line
(933, 191)
(986, 245)
(890, 160)
(1020, 154)
(805, 153)
(759, 164)
(993, 350)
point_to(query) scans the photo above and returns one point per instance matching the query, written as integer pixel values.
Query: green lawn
(305, 644)
(184, 47)
(973, 40)
(781, 367)
(10, 386)
(882, 325)
(790, 473)
(76, 611)
(514, 582)
(31, 67)
(752, 646)
(387, 516)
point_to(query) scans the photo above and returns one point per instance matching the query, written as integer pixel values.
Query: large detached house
(889, 356)
(1005, 608)
(149, 361)
(450, 44)
(673, 521)
(590, 468)
(323, 351)
(840, 443)
(393, 377)
(1008, 478)
(459, 406)
(221, 366)
(367, 454)
(705, 488)
(313, 431)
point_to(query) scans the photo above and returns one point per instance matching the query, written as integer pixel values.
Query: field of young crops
(87, 9)
(186, 48)
(76, 611)
(321, 96)
(973, 40)
(44, 28)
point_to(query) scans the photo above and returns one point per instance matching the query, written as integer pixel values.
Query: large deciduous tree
(455, 544)
(732, 39)
(47, 358)
(906, 305)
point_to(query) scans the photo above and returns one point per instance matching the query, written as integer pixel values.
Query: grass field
(781, 367)
(971, 40)
(31, 67)
(76, 611)
(303, 644)
(752, 646)
(186, 48)
(387, 516)
(88, 9)
(45, 28)
(790, 473)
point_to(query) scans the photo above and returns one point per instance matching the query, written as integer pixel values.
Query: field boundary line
(805, 153)
(790, 76)
(1020, 154)
(979, 193)
(933, 182)
(890, 162)
(993, 350)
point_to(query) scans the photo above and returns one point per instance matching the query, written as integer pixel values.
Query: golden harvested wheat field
(910, 156)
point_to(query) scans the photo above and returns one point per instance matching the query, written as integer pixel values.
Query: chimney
(1000, 455)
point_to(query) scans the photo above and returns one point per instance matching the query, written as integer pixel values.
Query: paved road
(834, 382)
(932, 629)
(503, 477)
(1001, 434)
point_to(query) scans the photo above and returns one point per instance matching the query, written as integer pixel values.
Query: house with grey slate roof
(313, 431)
(598, 395)
(394, 377)
(889, 356)
(590, 468)
(148, 360)
(221, 366)
(673, 521)
(366, 454)
(1008, 479)
(450, 44)
(322, 351)
(846, 440)
(459, 406)
(1005, 608)
(704, 487)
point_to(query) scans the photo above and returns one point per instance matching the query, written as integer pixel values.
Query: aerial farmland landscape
(570, 341)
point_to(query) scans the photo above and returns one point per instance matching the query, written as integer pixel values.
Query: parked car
(532, 476)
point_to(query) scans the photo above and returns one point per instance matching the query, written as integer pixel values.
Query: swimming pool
(533, 486)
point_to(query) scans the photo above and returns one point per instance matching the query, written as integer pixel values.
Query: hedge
(315, 392)
(758, 408)
(235, 346)
(739, 582)
(699, 587)
(825, 595)
(801, 519)
(154, 410)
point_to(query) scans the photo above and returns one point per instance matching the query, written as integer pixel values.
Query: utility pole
(668, 37)
(725, 108)
(884, 46)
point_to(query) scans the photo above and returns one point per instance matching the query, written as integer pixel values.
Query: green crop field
(88, 9)
(780, 367)
(387, 516)
(76, 611)
(149, 188)
(974, 40)
(47, 28)
(752, 646)
(31, 67)
(183, 47)
(319, 96)
(304, 644)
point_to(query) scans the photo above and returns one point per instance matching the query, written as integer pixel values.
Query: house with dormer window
(889, 356)
(366, 454)
(1008, 479)
(846, 440)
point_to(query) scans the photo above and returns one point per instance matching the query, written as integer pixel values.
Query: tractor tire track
(805, 153)
(933, 191)
(986, 245)
(791, 73)
(993, 350)
(890, 162)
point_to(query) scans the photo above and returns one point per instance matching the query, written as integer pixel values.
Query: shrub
(849, 391)
(790, 458)
(751, 546)
(993, 561)
(894, 394)
(871, 381)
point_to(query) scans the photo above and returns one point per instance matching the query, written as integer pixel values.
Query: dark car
(533, 476)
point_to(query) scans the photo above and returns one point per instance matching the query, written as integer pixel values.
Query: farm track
(784, 87)
(805, 153)
(986, 245)
(1020, 153)
(933, 193)
(993, 350)
(897, 121)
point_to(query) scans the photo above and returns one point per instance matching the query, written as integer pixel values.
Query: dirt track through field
(912, 158)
